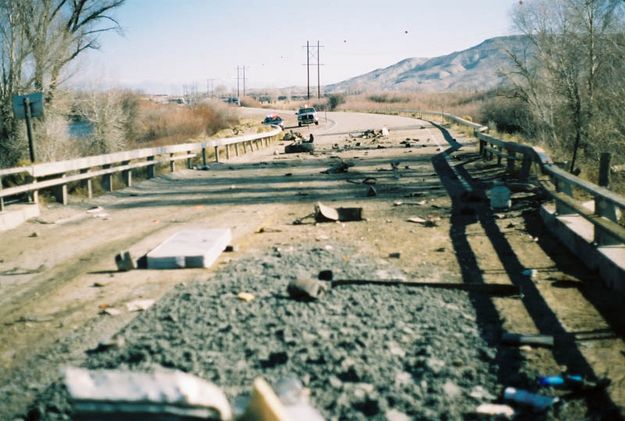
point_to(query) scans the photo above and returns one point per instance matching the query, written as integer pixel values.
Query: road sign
(36, 105)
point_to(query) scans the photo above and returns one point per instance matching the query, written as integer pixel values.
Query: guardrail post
(151, 169)
(563, 187)
(499, 155)
(244, 147)
(33, 196)
(172, 163)
(127, 175)
(607, 210)
(189, 161)
(236, 149)
(604, 169)
(1, 198)
(216, 153)
(204, 156)
(511, 160)
(88, 184)
(227, 151)
(107, 180)
(60, 193)
(603, 207)
(526, 166)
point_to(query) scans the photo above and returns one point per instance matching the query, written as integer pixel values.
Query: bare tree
(39, 38)
(567, 74)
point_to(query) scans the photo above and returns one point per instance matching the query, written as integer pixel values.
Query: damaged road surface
(428, 287)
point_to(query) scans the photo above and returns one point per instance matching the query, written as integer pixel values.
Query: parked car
(274, 120)
(307, 115)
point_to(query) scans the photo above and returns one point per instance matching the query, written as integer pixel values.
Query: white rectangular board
(192, 248)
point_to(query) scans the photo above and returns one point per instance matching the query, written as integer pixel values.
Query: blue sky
(169, 43)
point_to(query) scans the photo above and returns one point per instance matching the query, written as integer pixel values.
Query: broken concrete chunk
(124, 261)
(191, 248)
(325, 213)
(305, 289)
(495, 410)
(245, 296)
(139, 305)
(117, 394)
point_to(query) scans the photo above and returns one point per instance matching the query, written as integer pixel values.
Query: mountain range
(475, 69)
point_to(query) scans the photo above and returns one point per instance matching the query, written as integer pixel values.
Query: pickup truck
(306, 115)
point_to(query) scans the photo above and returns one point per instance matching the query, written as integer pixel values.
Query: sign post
(26, 107)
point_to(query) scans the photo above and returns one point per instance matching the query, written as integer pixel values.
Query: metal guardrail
(604, 217)
(59, 174)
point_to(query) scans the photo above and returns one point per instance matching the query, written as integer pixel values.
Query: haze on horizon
(167, 44)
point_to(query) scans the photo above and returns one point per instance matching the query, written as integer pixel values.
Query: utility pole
(317, 61)
(244, 80)
(307, 70)
(318, 73)
(238, 78)
(209, 87)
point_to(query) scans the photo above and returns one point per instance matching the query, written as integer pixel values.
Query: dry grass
(463, 104)
(166, 124)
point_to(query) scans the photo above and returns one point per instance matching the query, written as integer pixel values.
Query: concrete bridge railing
(58, 175)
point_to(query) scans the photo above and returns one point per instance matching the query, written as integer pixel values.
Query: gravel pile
(364, 351)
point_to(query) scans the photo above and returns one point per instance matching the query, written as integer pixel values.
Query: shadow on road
(472, 208)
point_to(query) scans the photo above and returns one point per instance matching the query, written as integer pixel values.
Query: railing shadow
(508, 359)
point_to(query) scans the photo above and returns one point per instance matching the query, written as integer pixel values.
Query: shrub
(334, 101)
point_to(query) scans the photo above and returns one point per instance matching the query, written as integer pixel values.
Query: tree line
(39, 39)
(570, 79)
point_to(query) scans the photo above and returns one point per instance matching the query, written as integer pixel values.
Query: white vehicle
(306, 115)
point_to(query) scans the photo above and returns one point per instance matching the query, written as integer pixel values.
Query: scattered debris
(245, 296)
(369, 181)
(572, 382)
(289, 174)
(325, 213)
(262, 230)
(500, 197)
(530, 273)
(371, 191)
(532, 400)
(429, 222)
(415, 194)
(519, 339)
(94, 209)
(98, 285)
(117, 394)
(305, 289)
(394, 255)
(291, 135)
(34, 235)
(15, 271)
(124, 261)
(325, 275)
(139, 305)
(230, 248)
(338, 168)
(301, 147)
(111, 311)
(495, 410)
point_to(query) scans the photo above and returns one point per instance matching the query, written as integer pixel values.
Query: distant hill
(476, 68)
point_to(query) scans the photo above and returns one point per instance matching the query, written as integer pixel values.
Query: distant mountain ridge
(476, 68)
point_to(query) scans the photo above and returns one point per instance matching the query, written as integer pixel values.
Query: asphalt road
(58, 277)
